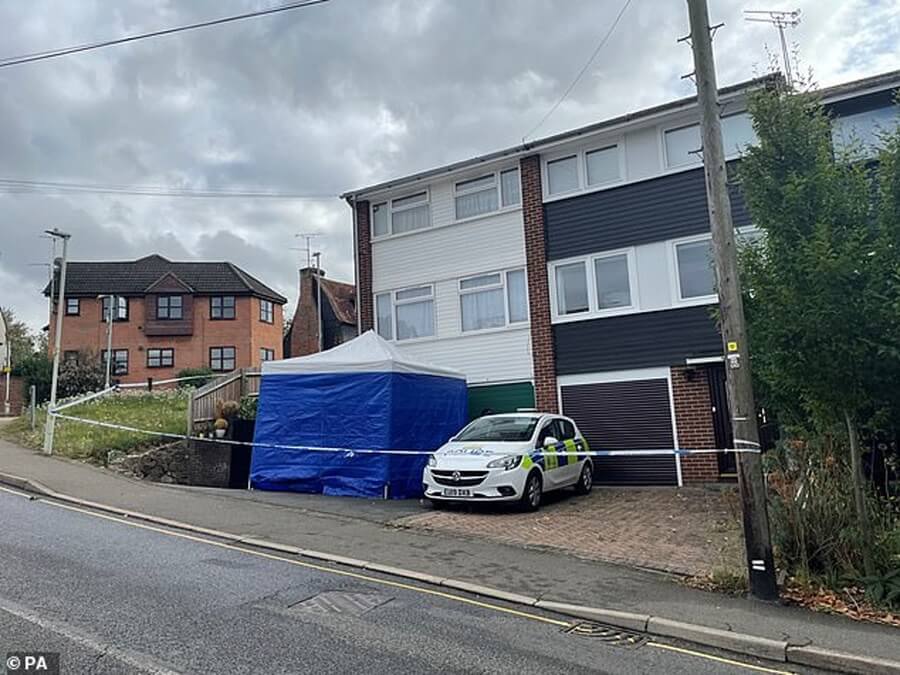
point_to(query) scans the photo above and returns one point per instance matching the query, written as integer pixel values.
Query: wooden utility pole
(761, 568)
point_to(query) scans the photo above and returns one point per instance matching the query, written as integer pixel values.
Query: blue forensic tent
(361, 395)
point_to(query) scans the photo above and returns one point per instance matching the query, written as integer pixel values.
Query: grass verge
(163, 412)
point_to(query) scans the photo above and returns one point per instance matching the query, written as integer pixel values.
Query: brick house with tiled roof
(169, 316)
(338, 314)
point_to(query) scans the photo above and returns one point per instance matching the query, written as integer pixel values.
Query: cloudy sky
(321, 100)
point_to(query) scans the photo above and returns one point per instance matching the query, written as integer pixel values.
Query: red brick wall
(545, 394)
(246, 333)
(693, 419)
(18, 397)
(305, 327)
(364, 300)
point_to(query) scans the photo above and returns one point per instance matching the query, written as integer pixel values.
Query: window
(493, 300)
(221, 358)
(119, 363)
(485, 194)
(266, 354)
(169, 307)
(383, 316)
(602, 165)
(683, 144)
(864, 128)
(549, 429)
(613, 283)
(510, 187)
(562, 175)
(406, 314)
(403, 214)
(499, 428)
(696, 277)
(567, 430)
(70, 355)
(160, 358)
(73, 306)
(221, 307)
(120, 311)
(266, 311)
(571, 288)
(414, 310)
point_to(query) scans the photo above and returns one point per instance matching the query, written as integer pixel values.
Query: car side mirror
(549, 441)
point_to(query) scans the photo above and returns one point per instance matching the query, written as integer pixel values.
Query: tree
(823, 281)
(21, 340)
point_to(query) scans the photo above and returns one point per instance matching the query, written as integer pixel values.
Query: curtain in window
(511, 187)
(410, 219)
(483, 309)
(518, 296)
(562, 175)
(379, 220)
(476, 203)
(383, 316)
(415, 319)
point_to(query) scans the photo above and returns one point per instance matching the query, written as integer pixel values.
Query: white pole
(60, 310)
(6, 361)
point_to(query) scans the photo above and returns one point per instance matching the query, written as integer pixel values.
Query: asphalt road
(121, 597)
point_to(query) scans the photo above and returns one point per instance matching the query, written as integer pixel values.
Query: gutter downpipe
(351, 201)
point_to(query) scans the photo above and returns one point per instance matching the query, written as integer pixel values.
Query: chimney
(305, 328)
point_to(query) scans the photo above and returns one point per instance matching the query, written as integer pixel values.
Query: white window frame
(593, 311)
(681, 124)
(504, 286)
(617, 142)
(388, 202)
(498, 186)
(394, 303)
(675, 278)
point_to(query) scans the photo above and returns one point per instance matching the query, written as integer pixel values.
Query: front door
(721, 418)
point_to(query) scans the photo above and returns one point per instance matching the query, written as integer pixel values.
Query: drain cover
(341, 602)
(609, 634)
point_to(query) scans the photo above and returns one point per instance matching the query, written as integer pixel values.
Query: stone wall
(184, 463)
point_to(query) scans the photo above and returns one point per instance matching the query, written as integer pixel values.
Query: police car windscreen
(514, 429)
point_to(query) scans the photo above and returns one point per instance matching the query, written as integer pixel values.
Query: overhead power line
(65, 51)
(17, 186)
(581, 72)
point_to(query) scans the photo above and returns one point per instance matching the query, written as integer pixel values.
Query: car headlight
(507, 463)
(432, 460)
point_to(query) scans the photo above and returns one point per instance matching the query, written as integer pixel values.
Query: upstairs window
(405, 314)
(73, 306)
(221, 307)
(266, 311)
(683, 144)
(571, 289)
(266, 354)
(493, 300)
(404, 214)
(602, 166)
(562, 175)
(485, 194)
(696, 276)
(120, 308)
(864, 129)
(613, 282)
(169, 307)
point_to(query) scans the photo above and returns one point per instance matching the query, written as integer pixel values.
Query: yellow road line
(720, 659)
(383, 582)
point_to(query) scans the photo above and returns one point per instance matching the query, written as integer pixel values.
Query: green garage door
(500, 398)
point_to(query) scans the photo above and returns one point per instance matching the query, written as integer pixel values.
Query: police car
(509, 457)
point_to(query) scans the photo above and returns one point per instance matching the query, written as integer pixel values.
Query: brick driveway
(688, 531)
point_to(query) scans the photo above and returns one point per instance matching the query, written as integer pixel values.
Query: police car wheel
(585, 480)
(531, 496)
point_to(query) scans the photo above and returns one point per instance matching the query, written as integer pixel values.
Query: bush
(202, 375)
(81, 375)
(815, 532)
(248, 408)
(36, 370)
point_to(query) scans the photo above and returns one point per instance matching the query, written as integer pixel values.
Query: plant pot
(220, 433)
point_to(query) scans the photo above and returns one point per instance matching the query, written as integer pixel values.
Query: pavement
(362, 529)
(82, 585)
